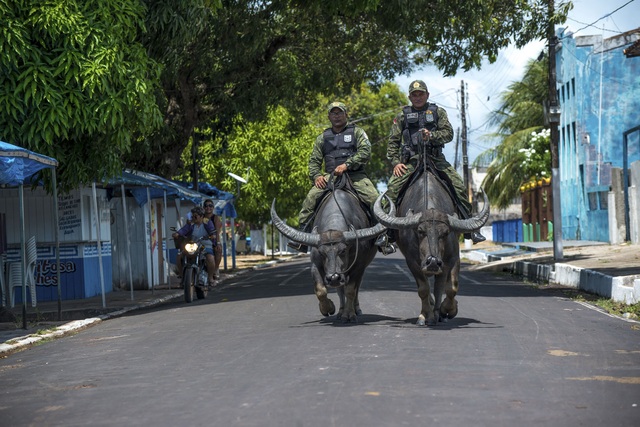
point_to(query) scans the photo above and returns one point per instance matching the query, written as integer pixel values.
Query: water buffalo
(428, 238)
(342, 247)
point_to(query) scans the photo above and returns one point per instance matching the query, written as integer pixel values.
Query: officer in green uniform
(343, 148)
(427, 124)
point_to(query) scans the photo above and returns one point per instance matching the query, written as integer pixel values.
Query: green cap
(417, 85)
(337, 104)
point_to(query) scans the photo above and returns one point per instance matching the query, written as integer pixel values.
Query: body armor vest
(414, 120)
(338, 147)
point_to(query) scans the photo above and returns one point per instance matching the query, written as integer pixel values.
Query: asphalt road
(259, 353)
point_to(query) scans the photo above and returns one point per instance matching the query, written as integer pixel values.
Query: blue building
(599, 93)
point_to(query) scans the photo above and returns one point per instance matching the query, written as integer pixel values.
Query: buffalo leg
(427, 315)
(449, 307)
(347, 311)
(356, 303)
(327, 307)
(341, 298)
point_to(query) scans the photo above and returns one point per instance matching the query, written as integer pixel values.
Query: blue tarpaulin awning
(138, 182)
(223, 200)
(17, 164)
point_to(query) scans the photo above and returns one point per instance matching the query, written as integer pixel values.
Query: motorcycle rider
(197, 228)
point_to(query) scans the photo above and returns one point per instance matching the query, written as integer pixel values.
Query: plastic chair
(15, 273)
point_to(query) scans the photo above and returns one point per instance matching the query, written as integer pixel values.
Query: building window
(573, 86)
(598, 200)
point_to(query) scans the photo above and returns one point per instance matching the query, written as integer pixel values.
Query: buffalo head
(436, 231)
(337, 249)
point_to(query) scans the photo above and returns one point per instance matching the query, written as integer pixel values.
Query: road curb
(624, 289)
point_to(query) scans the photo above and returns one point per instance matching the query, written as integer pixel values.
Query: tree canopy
(248, 56)
(273, 154)
(100, 84)
(75, 84)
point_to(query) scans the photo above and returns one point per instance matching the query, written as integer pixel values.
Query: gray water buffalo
(428, 238)
(342, 248)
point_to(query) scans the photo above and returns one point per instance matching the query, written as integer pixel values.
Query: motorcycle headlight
(191, 248)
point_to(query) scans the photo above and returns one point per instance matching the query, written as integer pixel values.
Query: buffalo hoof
(327, 308)
(349, 319)
(358, 311)
(449, 309)
(432, 321)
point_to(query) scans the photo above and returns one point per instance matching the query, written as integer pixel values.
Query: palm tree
(522, 152)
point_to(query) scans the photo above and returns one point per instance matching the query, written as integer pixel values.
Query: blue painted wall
(599, 94)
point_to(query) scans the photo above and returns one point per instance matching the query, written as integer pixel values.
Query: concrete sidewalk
(611, 271)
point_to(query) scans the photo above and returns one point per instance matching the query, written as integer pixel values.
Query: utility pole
(456, 163)
(465, 158)
(553, 115)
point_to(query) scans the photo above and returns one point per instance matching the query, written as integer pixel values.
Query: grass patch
(629, 311)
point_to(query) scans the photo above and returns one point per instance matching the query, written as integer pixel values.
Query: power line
(605, 16)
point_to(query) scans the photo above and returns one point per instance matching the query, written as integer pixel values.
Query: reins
(425, 164)
(331, 185)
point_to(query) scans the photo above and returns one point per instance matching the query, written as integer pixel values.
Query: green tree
(75, 84)
(271, 154)
(522, 153)
(277, 149)
(247, 57)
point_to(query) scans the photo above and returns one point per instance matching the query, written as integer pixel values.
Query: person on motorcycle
(217, 223)
(197, 228)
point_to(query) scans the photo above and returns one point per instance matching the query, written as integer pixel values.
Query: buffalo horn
(367, 233)
(471, 224)
(390, 220)
(309, 239)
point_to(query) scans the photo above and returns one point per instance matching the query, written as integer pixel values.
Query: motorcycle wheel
(189, 283)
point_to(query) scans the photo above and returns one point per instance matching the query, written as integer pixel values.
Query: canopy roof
(18, 164)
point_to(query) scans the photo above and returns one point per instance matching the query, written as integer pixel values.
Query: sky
(483, 87)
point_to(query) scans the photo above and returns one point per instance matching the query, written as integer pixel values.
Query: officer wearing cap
(428, 124)
(343, 148)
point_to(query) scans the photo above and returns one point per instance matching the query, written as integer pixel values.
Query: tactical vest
(337, 148)
(414, 120)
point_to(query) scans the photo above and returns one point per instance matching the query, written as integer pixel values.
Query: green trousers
(396, 183)
(363, 186)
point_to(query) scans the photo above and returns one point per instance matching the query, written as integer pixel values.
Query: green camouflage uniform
(355, 168)
(442, 134)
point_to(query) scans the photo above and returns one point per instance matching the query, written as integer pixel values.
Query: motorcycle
(194, 267)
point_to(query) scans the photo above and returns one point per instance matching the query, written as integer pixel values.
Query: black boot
(476, 237)
(385, 243)
(299, 246)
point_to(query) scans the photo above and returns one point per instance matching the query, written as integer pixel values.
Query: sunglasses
(208, 206)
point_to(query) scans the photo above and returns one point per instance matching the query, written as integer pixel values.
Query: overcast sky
(483, 87)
